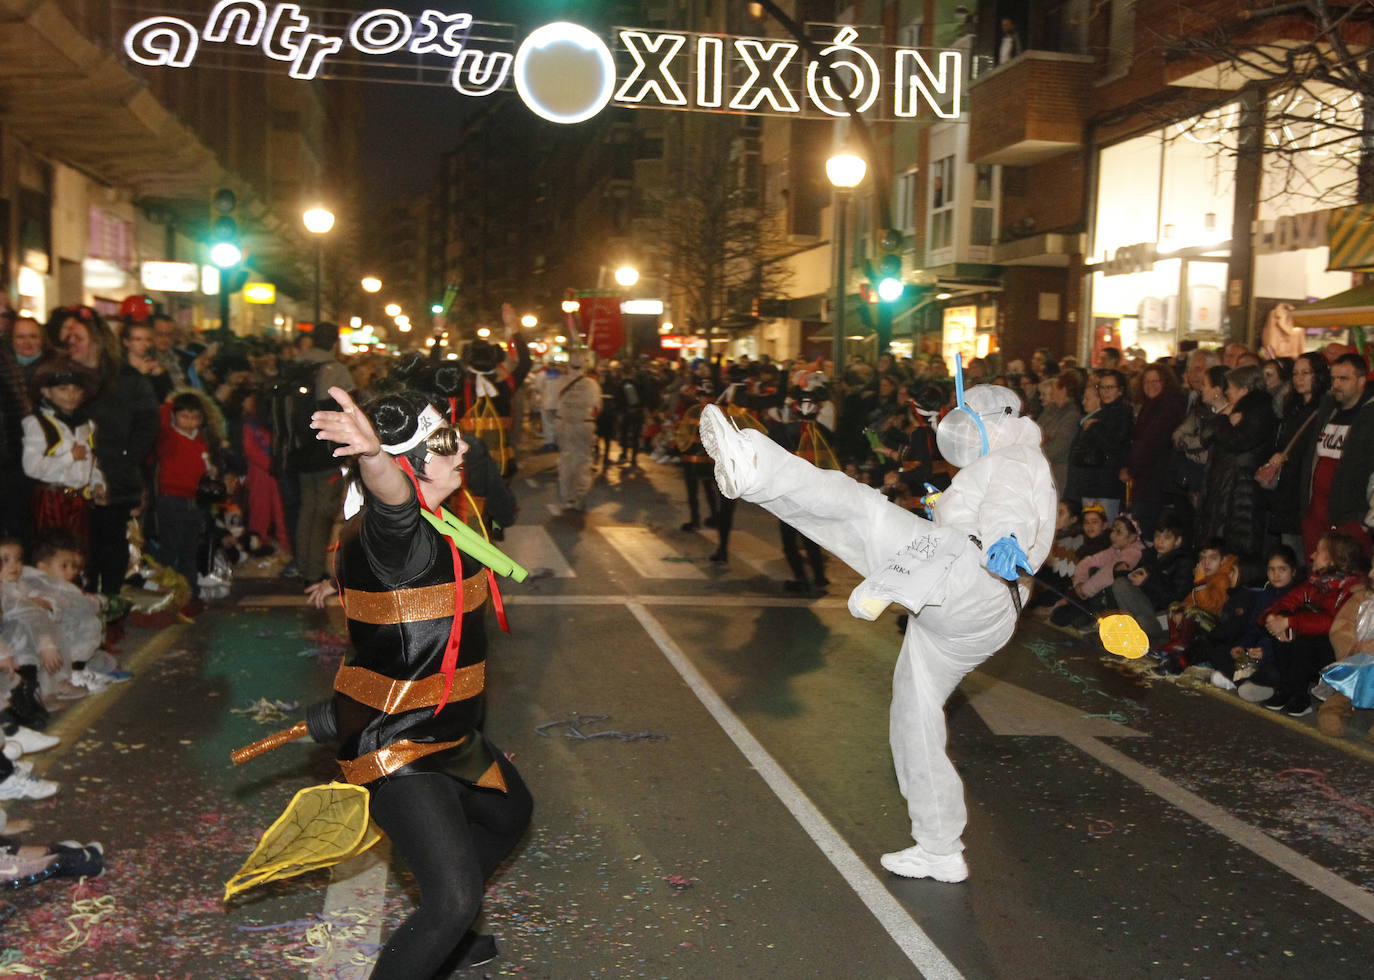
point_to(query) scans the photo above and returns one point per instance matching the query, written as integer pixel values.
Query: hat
(1093, 509)
(64, 371)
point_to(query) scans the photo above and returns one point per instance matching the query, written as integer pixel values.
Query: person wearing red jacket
(183, 457)
(1300, 622)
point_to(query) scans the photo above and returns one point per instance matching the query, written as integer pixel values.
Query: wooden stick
(275, 740)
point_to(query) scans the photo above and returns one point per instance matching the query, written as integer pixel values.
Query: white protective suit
(961, 613)
(578, 399)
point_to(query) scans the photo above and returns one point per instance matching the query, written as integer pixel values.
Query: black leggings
(452, 837)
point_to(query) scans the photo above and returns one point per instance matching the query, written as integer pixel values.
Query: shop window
(908, 188)
(942, 196)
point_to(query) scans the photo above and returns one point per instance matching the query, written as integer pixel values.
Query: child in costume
(59, 449)
(952, 575)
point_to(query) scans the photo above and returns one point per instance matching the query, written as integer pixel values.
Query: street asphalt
(708, 755)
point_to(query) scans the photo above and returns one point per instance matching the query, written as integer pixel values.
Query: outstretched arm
(353, 432)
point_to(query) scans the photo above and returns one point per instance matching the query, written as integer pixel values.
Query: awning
(1351, 308)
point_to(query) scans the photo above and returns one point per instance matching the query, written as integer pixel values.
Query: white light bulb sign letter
(566, 73)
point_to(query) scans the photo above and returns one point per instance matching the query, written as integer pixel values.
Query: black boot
(26, 705)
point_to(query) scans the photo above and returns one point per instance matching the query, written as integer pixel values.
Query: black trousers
(725, 520)
(703, 475)
(452, 837)
(109, 560)
(1299, 661)
(631, 432)
(790, 551)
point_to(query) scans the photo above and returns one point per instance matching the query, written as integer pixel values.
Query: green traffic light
(890, 289)
(225, 255)
(437, 308)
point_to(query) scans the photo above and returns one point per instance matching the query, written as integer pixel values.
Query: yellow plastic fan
(1122, 635)
(322, 826)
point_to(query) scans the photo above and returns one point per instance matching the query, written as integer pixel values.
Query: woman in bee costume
(408, 705)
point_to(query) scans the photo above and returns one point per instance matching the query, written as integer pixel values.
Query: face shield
(962, 435)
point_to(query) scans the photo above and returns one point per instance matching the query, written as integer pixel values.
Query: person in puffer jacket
(1094, 575)
(1301, 621)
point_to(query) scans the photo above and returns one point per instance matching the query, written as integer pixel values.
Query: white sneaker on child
(13, 750)
(90, 680)
(32, 741)
(21, 786)
(1222, 681)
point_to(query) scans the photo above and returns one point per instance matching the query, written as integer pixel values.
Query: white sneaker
(13, 750)
(21, 786)
(736, 463)
(33, 741)
(1222, 681)
(915, 862)
(90, 680)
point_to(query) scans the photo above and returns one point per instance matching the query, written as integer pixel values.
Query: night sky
(407, 127)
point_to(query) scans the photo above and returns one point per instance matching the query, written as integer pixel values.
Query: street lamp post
(318, 221)
(846, 171)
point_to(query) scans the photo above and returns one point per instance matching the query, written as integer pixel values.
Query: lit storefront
(1165, 206)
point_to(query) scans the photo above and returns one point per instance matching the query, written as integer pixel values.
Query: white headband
(428, 421)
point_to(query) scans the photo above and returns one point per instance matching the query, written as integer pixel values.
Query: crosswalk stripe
(647, 554)
(532, 546)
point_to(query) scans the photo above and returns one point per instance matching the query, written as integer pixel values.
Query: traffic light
(226, 252)
(890, 285)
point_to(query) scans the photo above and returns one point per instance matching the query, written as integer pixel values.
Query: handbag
(1267, 476)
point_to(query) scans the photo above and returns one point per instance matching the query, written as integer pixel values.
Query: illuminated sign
(642, 307)
(567, 73)
(170, 277)
(260, 292)
(672, 342)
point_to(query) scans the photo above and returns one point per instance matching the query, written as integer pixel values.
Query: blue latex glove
(1005, 557)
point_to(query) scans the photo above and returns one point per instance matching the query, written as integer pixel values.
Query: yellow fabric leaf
(1122, 635)
(321, 826)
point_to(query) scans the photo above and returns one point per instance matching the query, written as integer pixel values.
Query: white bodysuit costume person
(998, 512)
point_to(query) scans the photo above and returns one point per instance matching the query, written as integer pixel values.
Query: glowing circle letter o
(564, 73)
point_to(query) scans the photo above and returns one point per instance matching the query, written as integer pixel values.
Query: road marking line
(356, 885)
(1307, 871)
(533, 547)
(752, 601)
(911, 938)
(645, 553)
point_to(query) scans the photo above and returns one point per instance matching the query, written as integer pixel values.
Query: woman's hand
(51, 659)
(319, 592)
(1277, 626)
(349, 427)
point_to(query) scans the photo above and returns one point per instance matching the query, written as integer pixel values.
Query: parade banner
(562, 71)
(604, 326)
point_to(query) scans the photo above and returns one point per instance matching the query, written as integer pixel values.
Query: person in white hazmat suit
(577, 401)
(954, 575)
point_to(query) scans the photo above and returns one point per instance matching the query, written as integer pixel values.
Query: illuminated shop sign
(567, 73)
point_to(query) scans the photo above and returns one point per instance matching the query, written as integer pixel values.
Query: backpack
(291, 402)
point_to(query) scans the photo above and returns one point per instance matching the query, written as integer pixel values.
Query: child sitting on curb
(1352, 632)
(1212, 649)
(1301, 621)
(1253, 654)
(1198, 611)
(1163, 577)
(1094, 575)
